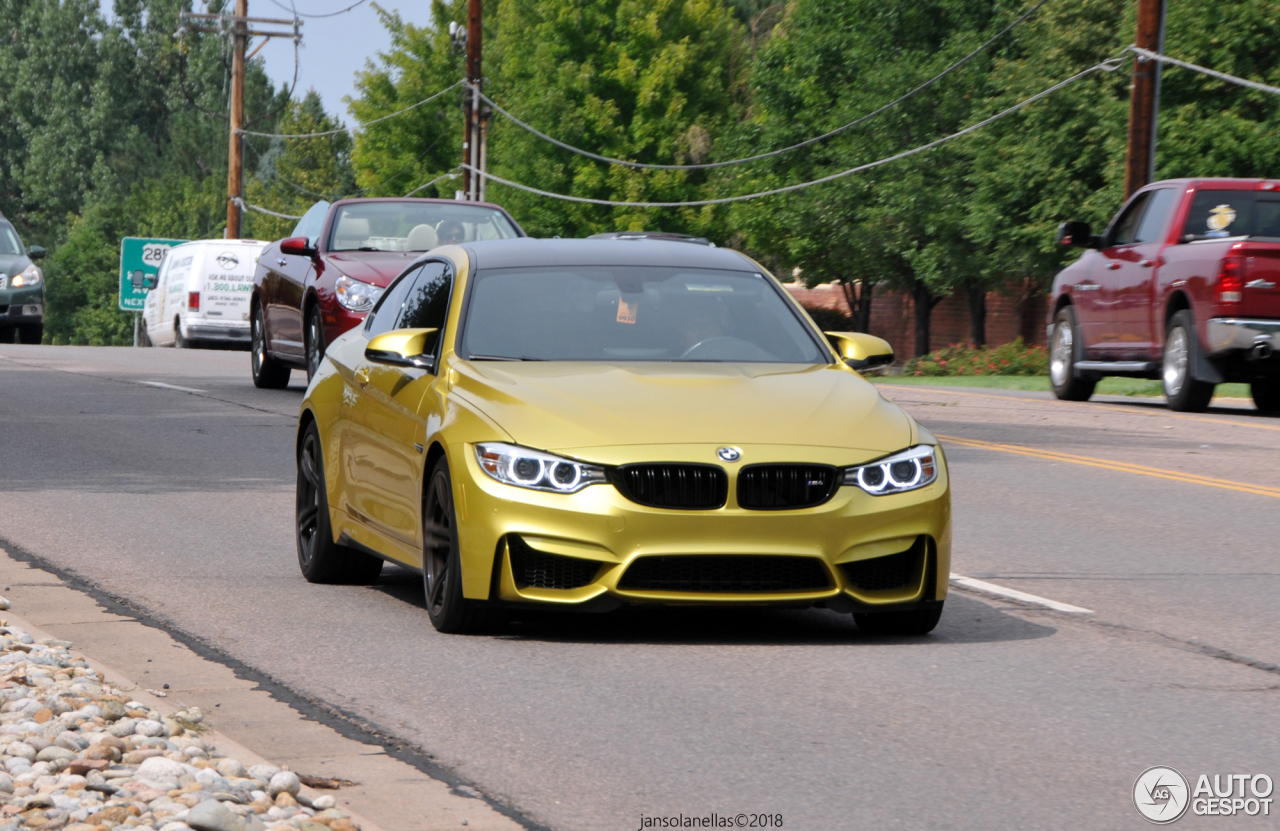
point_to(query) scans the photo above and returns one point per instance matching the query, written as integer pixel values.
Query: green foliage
(1014, 358)
(653, 81)
(395, 156)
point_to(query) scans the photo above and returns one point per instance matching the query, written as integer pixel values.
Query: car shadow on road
(964, 620)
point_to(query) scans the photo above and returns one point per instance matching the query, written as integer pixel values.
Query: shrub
(831, 320)
(1014, 358)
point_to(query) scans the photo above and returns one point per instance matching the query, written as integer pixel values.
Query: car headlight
(900, 472)
(30, 276)
(525, 468)
(355, 295)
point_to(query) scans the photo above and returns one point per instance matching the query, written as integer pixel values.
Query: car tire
(6, 334)
(31, 333)
(321, 559)
(1184, 391)
(268, 373)
(315, 342)
(180, 340)
(914, 622)
(1062, 359)
(1266, 395)
(450, 612)
(144, 337)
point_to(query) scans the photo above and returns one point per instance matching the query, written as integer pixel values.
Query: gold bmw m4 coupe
(591, 423)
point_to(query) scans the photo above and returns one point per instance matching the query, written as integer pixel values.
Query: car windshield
(632, 313)
(414, 226)
(9, 244)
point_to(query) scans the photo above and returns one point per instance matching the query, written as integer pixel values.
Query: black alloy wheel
(1266, 395)
(315, 342)
(449, 611)
(1064, 345)
(321, 559)
(268, 373)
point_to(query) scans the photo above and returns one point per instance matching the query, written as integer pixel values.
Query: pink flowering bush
(1014, 358)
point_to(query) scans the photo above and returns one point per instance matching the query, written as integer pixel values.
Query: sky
(333, 48)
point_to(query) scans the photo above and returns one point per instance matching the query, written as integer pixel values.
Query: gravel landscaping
(80, 755)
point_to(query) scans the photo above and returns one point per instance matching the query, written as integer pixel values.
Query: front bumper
(1229, 334)
(21, 308)
(501, 524)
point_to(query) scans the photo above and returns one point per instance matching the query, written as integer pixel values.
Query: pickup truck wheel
(1062, 359)
(1185, 393)
(1266, 395)
(321, 559)
(268, 373)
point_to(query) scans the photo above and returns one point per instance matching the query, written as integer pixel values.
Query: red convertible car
(324, 278)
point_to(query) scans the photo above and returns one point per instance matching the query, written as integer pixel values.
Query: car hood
(376, 267)
(13, 263)
(567, 407)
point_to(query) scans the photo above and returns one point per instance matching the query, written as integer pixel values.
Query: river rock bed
(80, 755)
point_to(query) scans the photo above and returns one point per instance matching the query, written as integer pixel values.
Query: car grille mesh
(725, 574)
(782, 487)
(539, 570)
(884, 573)
(681, 486)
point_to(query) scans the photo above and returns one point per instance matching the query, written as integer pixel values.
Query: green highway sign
(140, 258)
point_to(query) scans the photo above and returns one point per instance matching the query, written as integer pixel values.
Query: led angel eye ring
(565, 475)
(904, 473)
(526, 470)
(872, 478)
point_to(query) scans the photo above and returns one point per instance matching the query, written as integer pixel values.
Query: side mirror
(136, 279)
(297, 246)
(403, 347)
(149, 281)
(35, 252)
(1077, 235)
(861, 351)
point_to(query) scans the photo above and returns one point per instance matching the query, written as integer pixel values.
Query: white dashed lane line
(164, 386)
(1013, 594)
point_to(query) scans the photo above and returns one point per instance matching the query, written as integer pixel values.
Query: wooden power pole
(471, 184)
(237, 26)
(1139, 162)
(235, 155)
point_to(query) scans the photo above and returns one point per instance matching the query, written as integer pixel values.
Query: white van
(201, 293)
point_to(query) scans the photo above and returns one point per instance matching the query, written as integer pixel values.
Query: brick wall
(893, 317)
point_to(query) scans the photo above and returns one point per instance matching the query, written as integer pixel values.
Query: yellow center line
(1123, 467)
(1110, 406)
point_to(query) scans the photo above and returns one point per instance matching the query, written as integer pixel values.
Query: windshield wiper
(501, 358)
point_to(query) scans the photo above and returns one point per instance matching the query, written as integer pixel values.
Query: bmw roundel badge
(729, 454)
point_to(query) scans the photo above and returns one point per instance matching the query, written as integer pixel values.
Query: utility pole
(1139, 162)
(235, 155)
(471, 184)
(237, 27)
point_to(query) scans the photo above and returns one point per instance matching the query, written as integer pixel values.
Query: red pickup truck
(1184, 286)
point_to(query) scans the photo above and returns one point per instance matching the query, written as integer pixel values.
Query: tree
(396, 156)
(828, 63)
(652, 81)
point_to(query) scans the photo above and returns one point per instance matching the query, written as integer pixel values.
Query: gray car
(21, 288)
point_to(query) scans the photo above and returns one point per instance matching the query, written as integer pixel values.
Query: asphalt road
(1008, 716)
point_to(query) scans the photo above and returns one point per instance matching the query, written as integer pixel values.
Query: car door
(287, 276)
(373, 394)
(1099, 309)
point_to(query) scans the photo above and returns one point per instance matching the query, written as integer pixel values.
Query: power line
(771, 153)
(245, 205)
(330, 14)
(450, 175)
(1110, 65)
(452, 86)
(1156, 56)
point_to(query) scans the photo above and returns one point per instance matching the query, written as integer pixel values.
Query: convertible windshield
(414, 226)
(630, 313)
